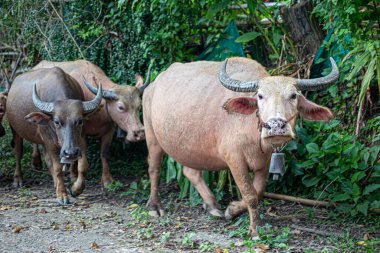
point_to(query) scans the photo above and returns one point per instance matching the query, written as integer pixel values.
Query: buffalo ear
(311, 111)
(38, 118)
(139, 81)
(241, 105)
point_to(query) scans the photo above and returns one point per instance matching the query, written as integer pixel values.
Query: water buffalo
(190, 116)
(45, 106)
(121, 106)
(3, 101)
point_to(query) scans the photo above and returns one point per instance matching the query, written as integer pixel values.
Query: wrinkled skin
(202, 125)
(60, 132)
(3, 101)
(124, 111)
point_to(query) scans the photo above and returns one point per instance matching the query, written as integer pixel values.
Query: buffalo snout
(69, 155)
(136, 135)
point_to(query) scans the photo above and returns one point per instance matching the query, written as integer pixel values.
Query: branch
(63, 22)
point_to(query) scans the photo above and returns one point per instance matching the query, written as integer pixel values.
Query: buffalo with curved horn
(46, 107)
(121, 106)
(190, 116)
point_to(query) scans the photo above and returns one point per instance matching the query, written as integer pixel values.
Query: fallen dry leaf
(133, 206)
(51, 248)
(55, 226)
(43, 210)
(366, 236)
(82, 224)
(17, 229)
(95, 246)
(263, 246)
(361, 243)
(220, 250)
(5, 207)
(68, 227)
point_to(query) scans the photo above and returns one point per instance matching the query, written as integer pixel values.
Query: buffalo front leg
(239, 170)
(79, 184)
(236, 208)
(18, 149)
(104, 152)
(209, 201)
(58, 177)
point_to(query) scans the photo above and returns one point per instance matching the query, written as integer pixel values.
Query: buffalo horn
(46, 107)
(89, 106)
(322, 82)
(236, 85)
(147, 82)
(106, 94)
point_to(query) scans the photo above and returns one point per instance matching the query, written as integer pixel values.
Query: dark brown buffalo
(121, 105)
(45, 107)
(189, 115)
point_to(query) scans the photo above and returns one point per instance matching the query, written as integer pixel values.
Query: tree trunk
(303, 29)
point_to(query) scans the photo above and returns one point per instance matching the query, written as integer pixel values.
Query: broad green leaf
(367, 79)
(310, 181)
(370, 188)
(363, 207)
(312, 147)
(375, 204)
(341, 197)
(247, 37)
(357, 176)
(359, 64)
(218, 6)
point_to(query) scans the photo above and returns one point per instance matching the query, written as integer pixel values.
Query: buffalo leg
(18, 149)
(73, 171)
(240, 173)
(210, 204)
(79, 184)
(57, 173)
(36, 158)
(154, 159)
(236, 208)
(104, 152)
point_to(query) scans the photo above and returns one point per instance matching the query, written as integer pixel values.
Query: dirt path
(30, 221)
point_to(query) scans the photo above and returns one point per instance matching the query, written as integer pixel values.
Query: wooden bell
(277, 165)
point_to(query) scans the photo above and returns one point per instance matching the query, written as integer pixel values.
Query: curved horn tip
(90, 106)
(46, 107)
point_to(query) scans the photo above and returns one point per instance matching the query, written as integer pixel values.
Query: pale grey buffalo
(189, 115)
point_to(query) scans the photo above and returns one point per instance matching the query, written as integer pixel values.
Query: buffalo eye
(260, 96)
(293, 96)
(57, 122)
(80, 122)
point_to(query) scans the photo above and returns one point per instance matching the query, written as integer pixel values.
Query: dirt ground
(30, 221)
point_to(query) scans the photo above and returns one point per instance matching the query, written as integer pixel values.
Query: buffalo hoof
(254, 235)
(156, 210)
(17, 183)
(213, 211)
(72, 193)
(233, 210)
(63, 201)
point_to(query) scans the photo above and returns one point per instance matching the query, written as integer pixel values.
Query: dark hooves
(63, 201)
(73, 194)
